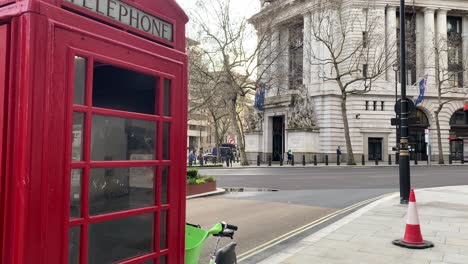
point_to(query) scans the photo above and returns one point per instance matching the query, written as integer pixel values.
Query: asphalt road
(303, 195)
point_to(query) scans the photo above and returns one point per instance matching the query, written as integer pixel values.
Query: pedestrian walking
(191, 158)
(338, 153)
(290, 156)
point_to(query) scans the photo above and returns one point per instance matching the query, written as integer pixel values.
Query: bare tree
(232, 63)
(349, 49)
(448, 72)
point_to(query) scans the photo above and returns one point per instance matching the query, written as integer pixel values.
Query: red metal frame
(37, 120)
(4, 50)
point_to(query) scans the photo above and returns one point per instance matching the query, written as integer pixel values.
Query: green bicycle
(195, 238)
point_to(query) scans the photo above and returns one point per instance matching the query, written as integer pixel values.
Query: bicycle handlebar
(228, 226)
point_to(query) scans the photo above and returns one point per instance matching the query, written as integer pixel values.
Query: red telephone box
(93, 97)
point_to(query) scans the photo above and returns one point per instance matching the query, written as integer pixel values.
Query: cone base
(401, 243)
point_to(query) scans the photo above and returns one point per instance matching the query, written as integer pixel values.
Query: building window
(367, 105)
(296, 42)
(365, 39)
(375, 105)
(382, 106)
(455, 51)
(364, 70)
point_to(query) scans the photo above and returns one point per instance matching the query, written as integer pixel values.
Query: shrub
(191, 181)
(210, 179)
(192, 173)
(200, 179)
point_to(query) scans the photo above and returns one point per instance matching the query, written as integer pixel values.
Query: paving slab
(365, 236)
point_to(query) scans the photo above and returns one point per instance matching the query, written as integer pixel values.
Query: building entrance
(278, 138)
(416, 135)
(458, 135)
(375, 148)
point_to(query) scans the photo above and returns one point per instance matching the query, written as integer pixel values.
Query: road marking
(304, 228)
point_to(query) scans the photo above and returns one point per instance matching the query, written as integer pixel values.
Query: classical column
(306, 64)
(429, 37)
(441, 41)
(283, 59)
(275, 60)
(465, 48)
(267, 57)
(391, 44)
(263, 45)
(419, 44)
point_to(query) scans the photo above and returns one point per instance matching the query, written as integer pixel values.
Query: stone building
(302, 110)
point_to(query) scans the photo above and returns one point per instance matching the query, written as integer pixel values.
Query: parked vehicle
(226, 153)
(209, 157)
(195, 238)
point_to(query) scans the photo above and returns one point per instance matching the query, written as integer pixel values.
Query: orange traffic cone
(413, 237)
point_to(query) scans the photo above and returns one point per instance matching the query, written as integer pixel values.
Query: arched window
(458, 119)
(418, 118)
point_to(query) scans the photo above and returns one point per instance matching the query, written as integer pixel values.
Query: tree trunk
(439, 139)
(216, 129)
(235, 123)
(349, 148)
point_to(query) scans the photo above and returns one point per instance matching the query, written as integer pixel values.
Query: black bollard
(227, 162)
(338, 160)
(450, 159)
(389, 159)
(292, 160)
(326, 160)
(315, 160)
(258, 160)
(281, 161)
(397, 158)
(303, 160)
(269, 160)
(415, 159)
(462, 160)
(376, 161)
(231, 162)
(363, 160)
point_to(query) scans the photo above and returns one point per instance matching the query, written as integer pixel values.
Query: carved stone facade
(317, 108)
(301, 115)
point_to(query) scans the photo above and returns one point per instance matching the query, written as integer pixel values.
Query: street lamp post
(404, 153)
(396, 67)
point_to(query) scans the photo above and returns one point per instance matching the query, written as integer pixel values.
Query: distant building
(369, 114)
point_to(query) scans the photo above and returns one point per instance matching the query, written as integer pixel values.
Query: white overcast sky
(243, 7)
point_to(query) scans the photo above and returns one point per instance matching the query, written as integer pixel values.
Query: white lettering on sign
(129, 16)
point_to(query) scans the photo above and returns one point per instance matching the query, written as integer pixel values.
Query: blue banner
(422, 90)
(260, 97)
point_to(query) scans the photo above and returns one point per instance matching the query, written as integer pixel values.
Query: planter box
(193, 189)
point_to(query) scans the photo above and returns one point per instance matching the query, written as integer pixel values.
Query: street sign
(411, 121)
(410, 107)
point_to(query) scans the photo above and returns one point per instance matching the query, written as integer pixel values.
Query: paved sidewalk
(322, 165)
(366, 235)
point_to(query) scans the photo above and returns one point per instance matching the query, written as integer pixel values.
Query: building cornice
(303, 6)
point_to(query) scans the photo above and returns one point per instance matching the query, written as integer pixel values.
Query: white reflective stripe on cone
(412, 218)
